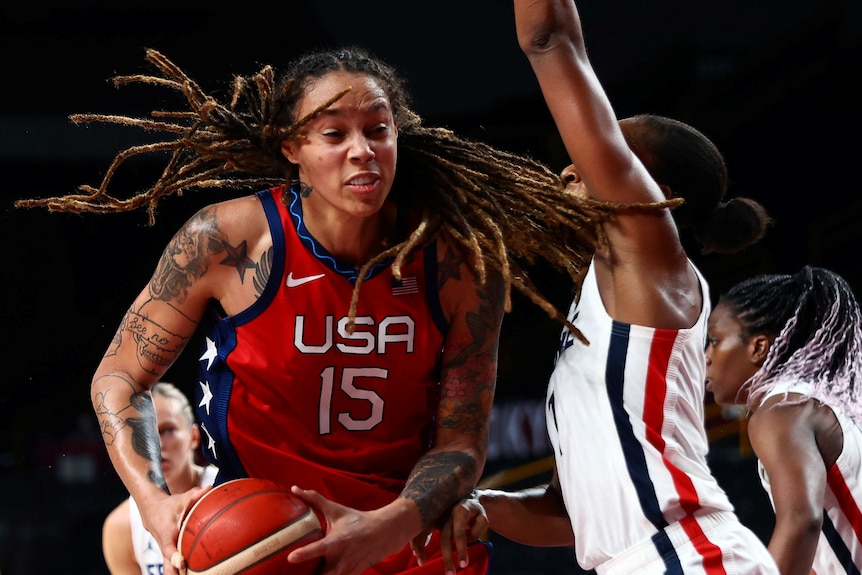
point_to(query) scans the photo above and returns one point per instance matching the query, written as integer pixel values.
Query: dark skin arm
(644, 275)
(796, 443)
(533, 516)
(356, 540)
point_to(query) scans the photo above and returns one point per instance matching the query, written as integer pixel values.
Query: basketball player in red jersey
(349, 324)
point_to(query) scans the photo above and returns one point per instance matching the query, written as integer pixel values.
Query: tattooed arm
(208, 259)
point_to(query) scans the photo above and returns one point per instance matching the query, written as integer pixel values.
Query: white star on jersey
(210, 354)
(207, 395)
(210, 441)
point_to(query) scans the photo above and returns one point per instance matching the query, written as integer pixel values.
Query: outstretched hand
(466, 522)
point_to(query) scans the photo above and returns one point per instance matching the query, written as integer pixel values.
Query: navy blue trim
(321, 253)
(632, 449)
(842, 553)
(228, 462)
(223, 331)
(668, 553)
(432, 294)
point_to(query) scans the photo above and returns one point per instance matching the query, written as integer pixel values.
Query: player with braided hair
(374, 403)
(632, 491)
(499, 206)
(789, 348)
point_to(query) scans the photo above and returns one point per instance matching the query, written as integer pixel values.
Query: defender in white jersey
(128, 548)
(625, 402)
(625, 419)
(789, 347)
(146, 550)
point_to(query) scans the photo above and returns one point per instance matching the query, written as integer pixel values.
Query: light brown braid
(504, 209)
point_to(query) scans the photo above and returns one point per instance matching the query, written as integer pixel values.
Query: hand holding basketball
(356, 539)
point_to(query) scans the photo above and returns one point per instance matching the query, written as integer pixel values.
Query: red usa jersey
(288, 395)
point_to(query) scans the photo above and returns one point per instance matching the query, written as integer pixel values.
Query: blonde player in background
(129, 549)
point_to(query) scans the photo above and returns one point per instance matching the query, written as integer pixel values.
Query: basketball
(248, 526)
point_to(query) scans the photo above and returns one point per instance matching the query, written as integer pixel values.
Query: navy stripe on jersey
(220, 379)
(432, 294)
(842, 553)
(634, 455)
(667, 552)
(635, 459)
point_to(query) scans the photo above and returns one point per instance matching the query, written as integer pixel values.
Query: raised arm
(644, 274)
(550, 35)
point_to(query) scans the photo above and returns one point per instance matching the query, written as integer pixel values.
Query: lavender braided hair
(817, 324)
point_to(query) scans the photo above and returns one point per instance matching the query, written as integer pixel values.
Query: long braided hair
(504, 208)
(817, 325)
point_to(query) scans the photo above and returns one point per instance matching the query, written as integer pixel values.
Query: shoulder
(459, 269)
(119, 518)
(236, 215)
(783, 413)
(464, 293)
(117, 546)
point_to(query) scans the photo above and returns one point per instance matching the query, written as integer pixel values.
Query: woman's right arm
(643, 271)
(533, 516)
(784, 440)
(150, 337)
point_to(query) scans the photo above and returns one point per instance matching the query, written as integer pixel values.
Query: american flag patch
(405, 286)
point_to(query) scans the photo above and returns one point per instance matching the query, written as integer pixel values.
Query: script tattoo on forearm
(156, 346)
(438, 481)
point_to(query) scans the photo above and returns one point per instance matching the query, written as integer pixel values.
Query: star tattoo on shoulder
(237, 256)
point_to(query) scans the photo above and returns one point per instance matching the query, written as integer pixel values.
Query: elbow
(536, 40)
(810, 521)
(812, 525)
(543, 27)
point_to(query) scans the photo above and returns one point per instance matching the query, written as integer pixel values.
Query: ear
(289, 150)
(196, 436)
(668, 193)
(758, 349)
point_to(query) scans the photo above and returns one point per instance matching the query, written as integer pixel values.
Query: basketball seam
(302, 528)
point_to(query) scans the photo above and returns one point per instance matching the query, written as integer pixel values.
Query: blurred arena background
(774, 83)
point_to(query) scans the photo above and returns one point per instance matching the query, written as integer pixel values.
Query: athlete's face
(731, 358)
(348, 152)
(178, 438)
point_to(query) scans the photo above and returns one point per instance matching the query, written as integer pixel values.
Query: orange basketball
(248, 526)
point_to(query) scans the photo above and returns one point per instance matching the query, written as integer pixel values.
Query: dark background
(773, 82)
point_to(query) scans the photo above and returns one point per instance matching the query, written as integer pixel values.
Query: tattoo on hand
(438, 481)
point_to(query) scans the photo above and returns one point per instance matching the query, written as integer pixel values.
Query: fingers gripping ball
(248, 526)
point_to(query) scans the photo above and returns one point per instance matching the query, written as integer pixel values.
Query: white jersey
(839, 550)
(625, 418)
(147, 552)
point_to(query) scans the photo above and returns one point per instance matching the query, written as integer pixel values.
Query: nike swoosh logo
(293, 282)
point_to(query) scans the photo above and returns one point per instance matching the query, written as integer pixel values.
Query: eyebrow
(336, 110)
